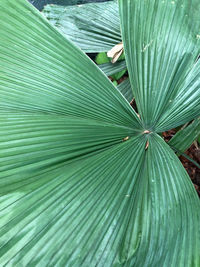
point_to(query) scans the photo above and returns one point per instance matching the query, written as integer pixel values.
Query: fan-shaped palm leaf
(84, 181)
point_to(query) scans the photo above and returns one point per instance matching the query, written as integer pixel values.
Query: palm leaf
(184, 138)
(110, 68)
(111, 219)
(94, 27)
(90, 29)
(49, 72)
(161, 56)
(125, 89)
(81, 183)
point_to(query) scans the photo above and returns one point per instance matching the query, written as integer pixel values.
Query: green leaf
(110, 68)
(115, 82)
(93, 27)
(118, 75)
(40, 74)
(184, 138)
(46, 213)
(125, 89)
(185, 156)
(161, 54)
(44, 139)
(77, 186)
(69, 205)
(102, 58)
(172, 209)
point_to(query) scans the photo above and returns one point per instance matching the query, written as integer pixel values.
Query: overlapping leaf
(110, 68)
(183, 139)
(125, 88)
(77, 186)
(93, 27)
(69, 214)
(161, 54)
(41, 73)
(85, 212)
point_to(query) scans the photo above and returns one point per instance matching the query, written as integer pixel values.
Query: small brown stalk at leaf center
(126, 138)
(146, 132)
(147, 145)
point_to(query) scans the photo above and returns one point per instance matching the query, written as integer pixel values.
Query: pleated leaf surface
(125, 88)
(94, 27)
(184, 138)
(161, 54)
(77, 186)
(112, 68)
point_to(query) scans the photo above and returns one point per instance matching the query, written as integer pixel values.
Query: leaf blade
(184, 138)
(110, 68)
(123, 218)
(94, 27)
(161, 53)
(125, 88)
(57, 213)
(40, 74)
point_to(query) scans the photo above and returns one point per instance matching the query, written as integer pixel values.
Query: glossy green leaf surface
(125, 89)
(110, 68)
(183, 139)
(102, 58)
(81, 184)
(94, 27)
(63, 215)
(45, 78)
(161, 54)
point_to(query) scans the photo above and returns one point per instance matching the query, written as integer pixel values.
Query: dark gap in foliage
(193, 171)
(39, 4)
(92, 56)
